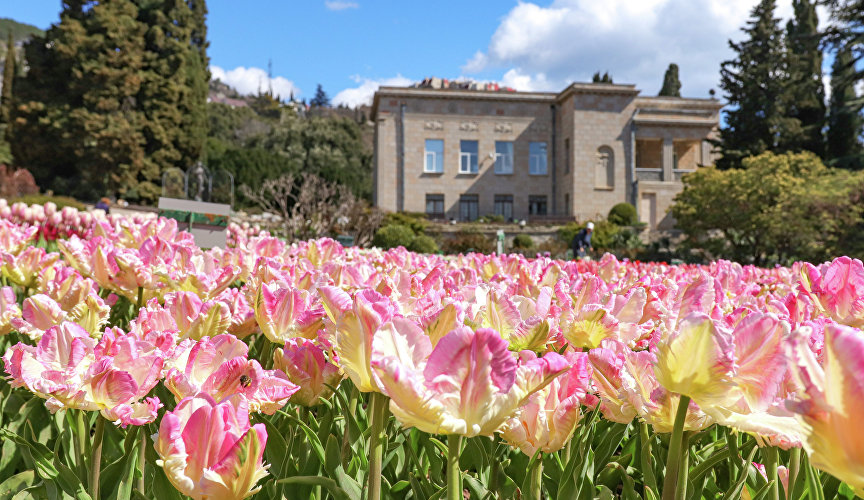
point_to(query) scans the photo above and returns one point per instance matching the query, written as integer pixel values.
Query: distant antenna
(270, 76)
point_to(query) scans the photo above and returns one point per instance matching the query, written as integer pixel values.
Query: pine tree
(754, 86)
(81, 131)
(671, 83)
(845, 124)
(320, 100)
(606, 78)
(805, 98)
(115, 94)
(6, 110)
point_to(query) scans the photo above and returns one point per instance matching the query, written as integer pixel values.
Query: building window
(435, 206)
(567, 156)
(604, 168)
(468, 157)
(537, 205)
(504, 205)
(537, 157)
(469, 207)
(503, 157)
(434, 163)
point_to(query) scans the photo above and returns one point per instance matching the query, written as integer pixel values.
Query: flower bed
(137, 361)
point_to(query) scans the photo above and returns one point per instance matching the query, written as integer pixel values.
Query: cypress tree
(805, 99)
(671, 83)
(754, 86)
(6, 110)
(845, 124)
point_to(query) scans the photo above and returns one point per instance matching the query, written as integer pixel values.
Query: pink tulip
(469, 384)
(218, 367)
(838, 287)
(209, 451)
(284, 312)
(65, 370)
(306, 365)
(832, 402)
(242, 315)
(26, 268)
(9, 310)
(195, 318)
(549, 416)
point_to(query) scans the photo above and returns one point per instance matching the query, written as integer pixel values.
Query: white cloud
(340, 5)
(250, 80)
(363, 92)
(545, 48)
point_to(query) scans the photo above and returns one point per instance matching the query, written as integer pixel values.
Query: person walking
(582, 241)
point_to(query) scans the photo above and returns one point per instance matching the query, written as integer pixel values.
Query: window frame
(538, 156)
(466, 200)
(506, 159)
(435, 198)
(473, 166)
(503, 200)
(439, 160)
(537, 200)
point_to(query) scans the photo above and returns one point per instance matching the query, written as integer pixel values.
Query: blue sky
(352, 46)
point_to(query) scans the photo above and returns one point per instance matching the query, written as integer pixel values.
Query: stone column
(668, 159)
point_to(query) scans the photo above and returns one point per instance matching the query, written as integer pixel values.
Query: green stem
(346, 436)
(674, 457)
(454, 475)
(140, 302)
(683, 468)
(142, 459)
(378, 415)
(648, 479)
(794, 469)
(82, 435)
(771, 461)
(96, 457)
(536, 492)
(565, 455)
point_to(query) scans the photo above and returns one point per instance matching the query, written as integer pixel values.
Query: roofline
(550, 97)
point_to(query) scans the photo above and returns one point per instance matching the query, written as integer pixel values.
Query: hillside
(20, 31)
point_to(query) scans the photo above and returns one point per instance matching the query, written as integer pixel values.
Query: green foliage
(845, 123)
(671, 83)
(41, 199)
(393, 236)
(805, 97)
(8, 75)
(776, 209)
(248, 166)
(523, 241)
(605, 78)
(423, 243)
(114, 95)
(606, 237)
(492, 219)
(468, 241)
(416, 221)
(331, 148)
(755, 91)
(19, 31)
(623, 214)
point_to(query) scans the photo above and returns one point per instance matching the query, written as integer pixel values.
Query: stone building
(457, 153)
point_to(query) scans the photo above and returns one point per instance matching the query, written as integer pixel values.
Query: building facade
(461, 154)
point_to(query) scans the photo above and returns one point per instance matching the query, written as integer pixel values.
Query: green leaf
(324, 482)
(11, 486)
(59, 474)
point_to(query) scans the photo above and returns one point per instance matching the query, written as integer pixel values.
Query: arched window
(604, 170)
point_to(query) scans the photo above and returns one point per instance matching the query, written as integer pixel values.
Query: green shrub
(492, 219)
(623, 214)
(523, 241)
(393, 236)
(415, 221)
(468, 241)
(41, 199)
(423, 244)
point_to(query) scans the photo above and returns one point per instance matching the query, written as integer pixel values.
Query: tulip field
(137, 365)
